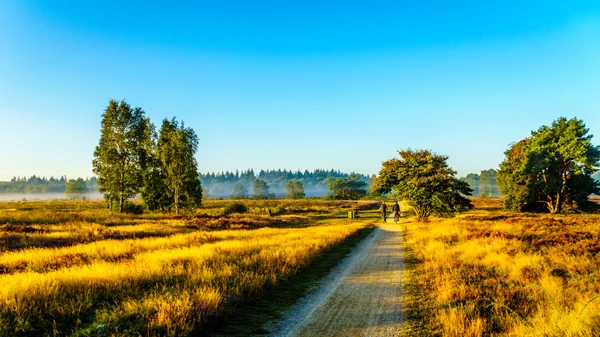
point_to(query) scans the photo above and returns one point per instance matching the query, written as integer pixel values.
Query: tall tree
(176, 148)
(118, 158)
(294, 189)
(551, 168)
(260, 189)
(473, 180)
(155, 193)
(76, 186)
(426, 181)
(350, 188)
(487, 183)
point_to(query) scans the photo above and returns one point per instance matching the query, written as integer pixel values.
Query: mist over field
(49, 196)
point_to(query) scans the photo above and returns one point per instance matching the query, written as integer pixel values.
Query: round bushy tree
(426, 182)
(551, 168)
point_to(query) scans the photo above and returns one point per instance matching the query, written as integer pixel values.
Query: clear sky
(296, 85)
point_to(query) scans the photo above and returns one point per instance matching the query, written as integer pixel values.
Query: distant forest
(220, 185)
(483, 184)
(315, 183)
(36, 184)
(216, 185)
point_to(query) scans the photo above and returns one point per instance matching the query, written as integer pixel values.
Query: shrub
(235, 207)
(279, 210)
(133, 208)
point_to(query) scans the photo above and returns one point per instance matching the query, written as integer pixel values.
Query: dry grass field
(72, 268)
(490, 272)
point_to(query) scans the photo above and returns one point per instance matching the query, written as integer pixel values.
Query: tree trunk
(559, 201)
(555, 205)
(176, 201)
(121, 203)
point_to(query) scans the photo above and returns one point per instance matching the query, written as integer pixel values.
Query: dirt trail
(363, 296)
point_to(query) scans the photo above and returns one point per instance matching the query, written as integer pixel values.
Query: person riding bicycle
(396, 210)
(383, 211)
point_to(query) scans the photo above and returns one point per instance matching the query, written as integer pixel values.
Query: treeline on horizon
(315, 183)
(214, 184)
(35, 184)
(221, 184)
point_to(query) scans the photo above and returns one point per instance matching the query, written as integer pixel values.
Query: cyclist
(383, 211)
(396, 210)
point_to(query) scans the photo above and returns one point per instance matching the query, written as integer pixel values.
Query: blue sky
(296, 85)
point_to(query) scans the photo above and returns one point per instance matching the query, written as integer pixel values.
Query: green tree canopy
(294, 189)
(155, 193)
(76, 186)
(487, 183)
(175, 149)
(119, 157)
(473, 180)
(350, 188)
(551, 168)
(426, 181)
(260, 189)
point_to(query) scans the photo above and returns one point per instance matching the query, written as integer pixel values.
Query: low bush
(235, 207)
(133, 208)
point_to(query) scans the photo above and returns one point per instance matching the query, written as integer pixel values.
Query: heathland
(73, 268)
(491, 272)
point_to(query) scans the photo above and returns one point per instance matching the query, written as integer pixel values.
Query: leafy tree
(175, 150)
(118, 158)
(294, 189)
(260, 189)
(487, 183)
(551, 168)
(370, 184)
(473, 180)
(76, 186)
(426, 181)
(350, 188)
(155, 192)
(240, 191)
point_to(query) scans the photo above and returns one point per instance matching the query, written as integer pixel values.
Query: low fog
(49, 196)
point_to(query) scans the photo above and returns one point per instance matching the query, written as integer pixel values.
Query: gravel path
(363, 296)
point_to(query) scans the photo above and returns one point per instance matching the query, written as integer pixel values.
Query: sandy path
(363, 296)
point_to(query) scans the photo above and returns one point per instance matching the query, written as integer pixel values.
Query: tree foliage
(177, 165)
(473, 180)
(155, 193)
(119, 157)
(315, 183)
(350, 188)
(487, 183)
(260, 189)
(294, 189)
(426, 181)
(76, 186)
(551, 168)
(35, 184)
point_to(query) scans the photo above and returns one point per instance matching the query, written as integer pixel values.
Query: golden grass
(63, 223)
(172, 285)
(490, 272)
